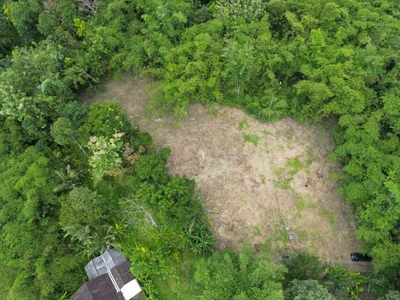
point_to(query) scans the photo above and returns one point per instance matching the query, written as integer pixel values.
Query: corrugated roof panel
(101, 264)
(117, 256)
(91, 270)
(108, 260)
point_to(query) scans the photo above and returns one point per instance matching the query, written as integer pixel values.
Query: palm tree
(68, 177)
(92, 241)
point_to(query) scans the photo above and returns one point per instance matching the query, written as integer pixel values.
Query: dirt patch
(265, 181)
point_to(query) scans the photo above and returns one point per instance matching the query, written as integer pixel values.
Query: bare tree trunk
(89, 6)
(148, 218)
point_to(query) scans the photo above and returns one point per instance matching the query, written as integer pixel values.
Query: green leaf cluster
(228, 275)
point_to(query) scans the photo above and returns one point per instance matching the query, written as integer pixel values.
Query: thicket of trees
(310, 59)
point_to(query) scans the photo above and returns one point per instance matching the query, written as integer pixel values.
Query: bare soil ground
(265, 181)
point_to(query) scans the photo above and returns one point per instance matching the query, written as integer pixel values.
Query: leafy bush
(392, 295)
(151, 167)
(308, 290)
(106, 156)
(74, 111)
(105, 119)
(303, 266)
(62, 131)
(228, 275)
(198, 239)
(80, 207)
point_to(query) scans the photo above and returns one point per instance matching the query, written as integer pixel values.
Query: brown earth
(264, 181)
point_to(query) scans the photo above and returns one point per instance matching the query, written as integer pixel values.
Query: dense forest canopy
(66, 169)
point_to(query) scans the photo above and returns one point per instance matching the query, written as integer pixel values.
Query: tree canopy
(312, 60)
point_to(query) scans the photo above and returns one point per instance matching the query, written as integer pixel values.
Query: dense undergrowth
(75, 180)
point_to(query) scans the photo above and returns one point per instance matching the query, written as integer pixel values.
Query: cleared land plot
(265, 181)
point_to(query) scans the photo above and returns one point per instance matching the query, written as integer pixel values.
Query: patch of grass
(289, 143)
(247, 166)
(262, 178)
(211, 109)
(251, 138)
(281, 147)
(267, 133)
(243, 124)
(298, 216)
(278, 171)
(278, 234)
(300, 205)
(289, 133)
(329, 215)
(295, 166)
(302, 235)
(258, 231)
(284, 236)
(310, 159)
(310, 203)
(284, 184)
(179, 271)
(224, 145)
(305, 203)
(297, 196)
(176, 123)
(163, 287)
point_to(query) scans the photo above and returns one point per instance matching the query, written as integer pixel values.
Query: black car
(360, 257)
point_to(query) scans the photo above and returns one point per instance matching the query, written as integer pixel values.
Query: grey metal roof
(107, 273)
(102, 288)
(103, 263)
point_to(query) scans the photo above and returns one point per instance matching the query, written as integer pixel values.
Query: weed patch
(251, 138)
(310, 159)
(243, 124)
(305, 202)
(294, 166)
(267, 132)
(258, 231)
(302, 236)
(328, 215)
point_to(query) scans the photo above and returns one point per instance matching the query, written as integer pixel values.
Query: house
(109, 279)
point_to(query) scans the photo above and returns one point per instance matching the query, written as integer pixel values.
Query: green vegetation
(228, 275)
(258, 231)
(294, 166)
(61, 206)
(243, 124)
(285, 175)
(311, 60)
(251, 138)
(262, 178)
(284, 184)
(309, 161)
(327, 214)
(305, 202)
(309, 278)
(308, 290)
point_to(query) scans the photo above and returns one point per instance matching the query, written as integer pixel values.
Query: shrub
(308, 290)
(304, 266)
(106, 118)
(106, 155)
